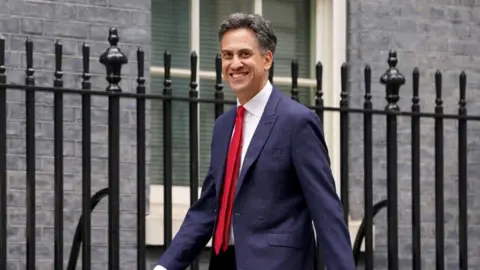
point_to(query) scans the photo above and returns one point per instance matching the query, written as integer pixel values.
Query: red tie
(231, 173)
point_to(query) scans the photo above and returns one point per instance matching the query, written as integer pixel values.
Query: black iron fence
(113, 59)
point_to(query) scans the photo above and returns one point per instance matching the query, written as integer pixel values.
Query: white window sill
(181, 203)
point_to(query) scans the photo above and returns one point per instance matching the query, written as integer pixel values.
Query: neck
(249, 95)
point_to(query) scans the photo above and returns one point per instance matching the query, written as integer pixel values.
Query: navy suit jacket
(285, 183)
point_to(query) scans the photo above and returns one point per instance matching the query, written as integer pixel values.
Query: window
(294, 40)
(312, 30)
(170, 31)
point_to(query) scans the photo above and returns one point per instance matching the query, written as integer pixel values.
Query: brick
(32, 26)
(141, 5)
(65, 11)
(10, 25)
(103, 15)
(102, 3)
(63, 29)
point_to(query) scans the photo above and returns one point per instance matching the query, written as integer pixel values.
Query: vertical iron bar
(462, 176)
(368, 170)
(294, 69)
(30, 142)
(141, 163)
(113, 180)
(58, 156)
(392, 191)
(193, 130)
(3, 159)
(193, 137)
(319, 92)
(86, 159)
(416, 223)
(218, 87)
(114, 177)
(439, 203)
(167, 151)
(344, 129)
(113, 59)
(319, 110)
(392, 79)
(271, 72)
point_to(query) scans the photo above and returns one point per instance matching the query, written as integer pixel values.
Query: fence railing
(113, 59)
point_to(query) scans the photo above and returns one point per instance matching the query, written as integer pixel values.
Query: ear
(267, 60)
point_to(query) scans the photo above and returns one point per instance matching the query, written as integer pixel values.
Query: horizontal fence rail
(113, 59)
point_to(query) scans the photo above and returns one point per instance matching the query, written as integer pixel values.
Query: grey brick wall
(429, 35)
(73, 22)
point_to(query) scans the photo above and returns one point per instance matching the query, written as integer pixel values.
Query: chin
(239, 89)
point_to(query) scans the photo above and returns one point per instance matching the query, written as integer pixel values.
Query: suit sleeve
(312, 165)
(195, 231)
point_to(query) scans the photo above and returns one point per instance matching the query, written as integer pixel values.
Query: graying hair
(263, 31)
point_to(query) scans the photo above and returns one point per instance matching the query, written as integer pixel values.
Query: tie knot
(240, 111)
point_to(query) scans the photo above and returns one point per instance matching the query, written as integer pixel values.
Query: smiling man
(269, 174)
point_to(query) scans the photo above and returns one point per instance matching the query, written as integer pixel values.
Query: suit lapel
(264, 128)
(224, 134)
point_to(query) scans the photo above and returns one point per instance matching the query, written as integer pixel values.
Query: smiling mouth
(238, 76)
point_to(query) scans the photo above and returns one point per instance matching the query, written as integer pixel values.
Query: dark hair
(263, 31)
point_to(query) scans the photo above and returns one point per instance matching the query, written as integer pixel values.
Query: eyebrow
(240, 50)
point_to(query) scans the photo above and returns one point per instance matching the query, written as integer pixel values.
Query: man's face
(244, 65)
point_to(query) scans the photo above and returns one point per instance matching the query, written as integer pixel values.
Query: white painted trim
(330, 47)
(258, 6)
(195, 26)
(155, 220)
(195, 46)
(339, 48)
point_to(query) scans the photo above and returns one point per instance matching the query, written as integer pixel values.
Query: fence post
(3, 159)
(113, 59)
(462, 175)
(368, 168)
(294, 70)
(167, 151)
(31, 166)
(58, 155)
(416, 199)
(392, 79)
(86, 159)
(219, 106)
(439, 176)
(141, 160)
(344, 145)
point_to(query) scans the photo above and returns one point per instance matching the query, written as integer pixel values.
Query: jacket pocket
(286, 240)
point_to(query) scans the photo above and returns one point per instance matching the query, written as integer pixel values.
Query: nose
(236, 63)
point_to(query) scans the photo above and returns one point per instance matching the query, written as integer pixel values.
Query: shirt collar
(257, 104)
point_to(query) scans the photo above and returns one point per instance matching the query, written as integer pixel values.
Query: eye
(227, 55)
(245, 54)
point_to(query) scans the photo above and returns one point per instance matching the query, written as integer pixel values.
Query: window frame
(328, 34)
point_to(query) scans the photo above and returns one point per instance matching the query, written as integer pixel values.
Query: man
(269, 174)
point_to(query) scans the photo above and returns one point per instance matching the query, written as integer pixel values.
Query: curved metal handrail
(77, 239)
(361, 231)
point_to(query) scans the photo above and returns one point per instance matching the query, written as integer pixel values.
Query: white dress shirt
(253, 112)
